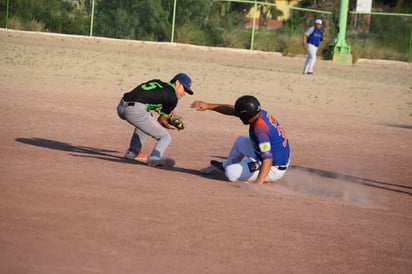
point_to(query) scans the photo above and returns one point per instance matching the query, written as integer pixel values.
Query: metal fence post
(410, 46)
(7, 13)
(91, 20)
(252, 39)
(341, 50)
(173, 22)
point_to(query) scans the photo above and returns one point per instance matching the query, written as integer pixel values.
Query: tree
(56, 15)
(148, 19)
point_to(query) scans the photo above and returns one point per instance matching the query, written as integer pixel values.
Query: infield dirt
(69, 203)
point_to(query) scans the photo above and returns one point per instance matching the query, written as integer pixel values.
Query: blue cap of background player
(185, 80)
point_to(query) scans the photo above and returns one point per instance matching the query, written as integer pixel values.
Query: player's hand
(200, 105)
(177, 122)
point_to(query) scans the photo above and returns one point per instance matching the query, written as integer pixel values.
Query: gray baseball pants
(145, 125)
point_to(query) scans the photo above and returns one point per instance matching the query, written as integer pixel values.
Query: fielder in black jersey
(137, 106)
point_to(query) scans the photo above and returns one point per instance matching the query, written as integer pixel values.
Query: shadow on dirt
(399, 126)
(107, 155)
(357, 180)
(82, 150)
(96, 153)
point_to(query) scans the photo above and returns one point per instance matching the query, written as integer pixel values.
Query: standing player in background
(311, 41)
(261, 157)
(136, 108)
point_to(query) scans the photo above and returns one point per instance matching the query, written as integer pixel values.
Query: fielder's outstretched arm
(225, 109)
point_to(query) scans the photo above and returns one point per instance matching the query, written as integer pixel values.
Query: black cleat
(218, 165)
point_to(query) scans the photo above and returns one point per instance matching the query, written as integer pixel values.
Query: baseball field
(69, 203)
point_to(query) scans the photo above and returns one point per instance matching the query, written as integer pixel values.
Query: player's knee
(232, 173)
(231, 177)
(165, 137)
(242, 140)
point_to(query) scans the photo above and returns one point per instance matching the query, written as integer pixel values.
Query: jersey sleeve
(309, 31)
(263, 140)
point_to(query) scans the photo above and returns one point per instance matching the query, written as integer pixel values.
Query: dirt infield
(69, 203)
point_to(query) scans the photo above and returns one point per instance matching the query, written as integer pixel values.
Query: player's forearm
(163, 121)
(264, 171)
(223, 109)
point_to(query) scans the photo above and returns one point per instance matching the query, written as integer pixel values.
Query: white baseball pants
(310, 58)
(237, 167)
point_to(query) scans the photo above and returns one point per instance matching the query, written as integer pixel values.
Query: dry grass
(32, 25)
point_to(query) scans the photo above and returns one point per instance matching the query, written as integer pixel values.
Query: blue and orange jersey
(270, 139)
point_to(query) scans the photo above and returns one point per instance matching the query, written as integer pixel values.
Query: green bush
(265, 40)
(372, 49)
(238, 38)
(191, 34)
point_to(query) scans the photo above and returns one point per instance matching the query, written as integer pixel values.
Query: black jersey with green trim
(155, 94)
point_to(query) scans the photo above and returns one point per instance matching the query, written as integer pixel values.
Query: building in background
(284, 6)
(263, 17)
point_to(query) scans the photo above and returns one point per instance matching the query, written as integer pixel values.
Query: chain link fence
(251, 25)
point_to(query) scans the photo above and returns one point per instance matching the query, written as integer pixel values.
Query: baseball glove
(177, 122)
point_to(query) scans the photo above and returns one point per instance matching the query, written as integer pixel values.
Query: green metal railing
(268, 4)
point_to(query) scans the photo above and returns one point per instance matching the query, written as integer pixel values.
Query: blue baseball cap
(185, 80)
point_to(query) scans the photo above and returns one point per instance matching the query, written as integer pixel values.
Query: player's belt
(282, 167)
(132, 104)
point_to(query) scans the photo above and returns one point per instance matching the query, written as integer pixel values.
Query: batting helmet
(246, 107)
